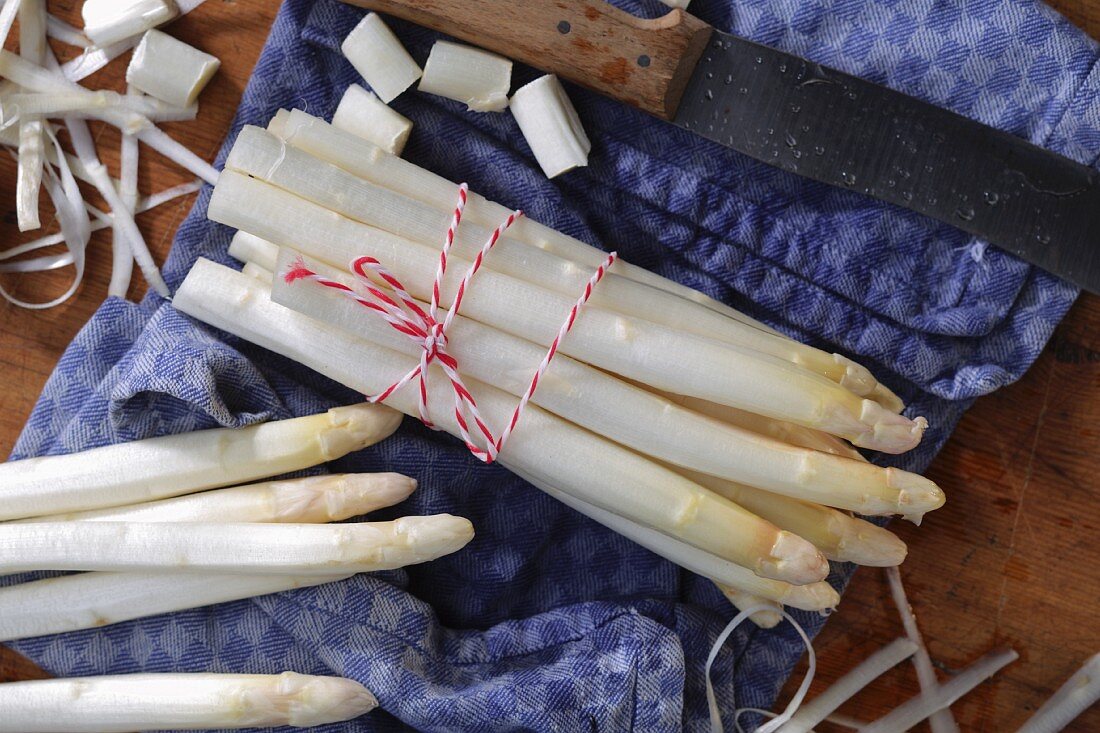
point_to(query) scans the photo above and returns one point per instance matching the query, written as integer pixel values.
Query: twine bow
(406, 316)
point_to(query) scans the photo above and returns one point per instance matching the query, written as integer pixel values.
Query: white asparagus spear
(553, 131)
(1079, 693)
(542, 446)
(653, 426)
(650, 353)
(180, 702)
(234, 548)
(262, 155)
(93, 600)
(169, 69)
(817, 596)
(477, 78)
(379, 57)
(157, 468)
(839, 536)
(111, 21)
(765, 619)
(253, 270)
(870, 669)
(311, 500)
(363, 114)
(944, 696)
(32, 139)
(357, 156)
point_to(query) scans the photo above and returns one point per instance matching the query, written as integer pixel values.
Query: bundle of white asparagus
(119, 511)
(720, 443)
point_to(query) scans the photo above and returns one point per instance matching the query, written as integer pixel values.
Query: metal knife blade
(847, 132)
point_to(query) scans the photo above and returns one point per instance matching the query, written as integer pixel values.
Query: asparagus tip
(794, 560)
(355, 427)
(436, 535)
(916, 494)
(812, 597)
(320, 700)
(857, 378)
(873, 546)
(338, 497)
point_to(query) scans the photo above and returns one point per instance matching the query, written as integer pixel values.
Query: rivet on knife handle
(644, 63)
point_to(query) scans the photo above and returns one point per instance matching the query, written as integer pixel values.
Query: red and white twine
(406, 316)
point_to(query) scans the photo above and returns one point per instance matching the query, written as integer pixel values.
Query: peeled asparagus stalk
(647, 352)
(379, 57)
(944, 696)
(320, 139)
(312, 500)
(255, 271)
(782, 431)
(156, 468)
(180, 702)
(262, 155)
(551, 127)
(477, 78)
(542, 446)
(653, 426)
(111, 21)
(870, 669)
(838, 535)
(83, 103)
(1078, 694)
(363, 114)
(246, 248)
(235, 548)
(767, 619)
(817, 596)
(169, 69)
(94, 600)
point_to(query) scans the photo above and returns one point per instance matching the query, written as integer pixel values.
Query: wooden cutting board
(1012, 559)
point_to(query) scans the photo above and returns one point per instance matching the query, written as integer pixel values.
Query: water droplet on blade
(965, 213)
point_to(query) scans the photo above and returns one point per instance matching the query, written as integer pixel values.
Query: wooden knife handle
(645, 63)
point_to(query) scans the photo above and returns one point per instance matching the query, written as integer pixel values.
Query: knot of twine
(406, 316)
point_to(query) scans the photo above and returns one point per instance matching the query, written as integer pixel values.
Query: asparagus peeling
(156, 468)
(124, 703)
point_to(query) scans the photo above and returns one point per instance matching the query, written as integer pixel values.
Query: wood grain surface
(1012, 559)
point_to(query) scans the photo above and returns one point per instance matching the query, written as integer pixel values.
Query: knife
(802, 117)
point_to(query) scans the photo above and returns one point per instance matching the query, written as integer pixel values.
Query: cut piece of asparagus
(542, 446)
(477, 78)
(311, 500)
(652, 426)
(246, 247)
(169, 69)
(817, 596)
(362, 113)
(647, 352)
(179, 701)
(1077, 695)
(93, 600)
(234, 548)
(357, 156)
(111, 21)
(870, 669)
(552, 128)
(943, 696)
(379, 57)
(260, 154)
(156, 468)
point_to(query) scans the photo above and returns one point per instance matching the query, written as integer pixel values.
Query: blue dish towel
(547, 621)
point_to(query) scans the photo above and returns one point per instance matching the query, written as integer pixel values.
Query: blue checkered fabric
(546, 621)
